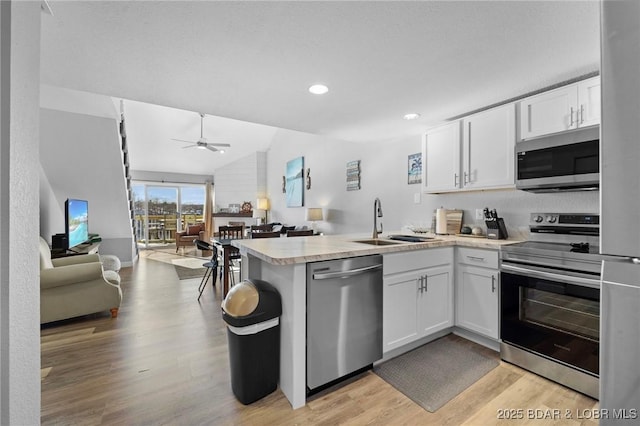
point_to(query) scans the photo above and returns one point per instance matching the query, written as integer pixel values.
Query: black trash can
(252, 312)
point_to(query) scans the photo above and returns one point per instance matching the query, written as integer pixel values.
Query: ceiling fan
(202, 142)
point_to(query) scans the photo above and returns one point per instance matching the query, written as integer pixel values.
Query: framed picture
(414, 169)
(353, 175)
(294, 182)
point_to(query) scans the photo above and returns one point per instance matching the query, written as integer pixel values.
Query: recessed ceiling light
(318, 89)
(411, 116)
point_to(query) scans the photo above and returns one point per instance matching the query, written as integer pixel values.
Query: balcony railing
(163, 228)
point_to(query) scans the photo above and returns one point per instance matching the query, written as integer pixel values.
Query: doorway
(162, 210)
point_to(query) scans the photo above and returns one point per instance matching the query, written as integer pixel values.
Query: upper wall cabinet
(441, 158)
(488, 146)
(569, 107)
(478, 156)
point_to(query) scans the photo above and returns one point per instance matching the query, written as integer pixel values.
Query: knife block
(496, 230)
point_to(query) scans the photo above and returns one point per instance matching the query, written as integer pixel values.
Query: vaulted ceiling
(253, 61)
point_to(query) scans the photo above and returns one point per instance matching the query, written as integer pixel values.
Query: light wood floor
(164, 360)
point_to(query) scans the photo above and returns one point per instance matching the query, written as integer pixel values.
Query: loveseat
(193, 232)
(75, 285)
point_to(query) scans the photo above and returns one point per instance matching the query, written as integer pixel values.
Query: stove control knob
(551, 219)
(538, 219)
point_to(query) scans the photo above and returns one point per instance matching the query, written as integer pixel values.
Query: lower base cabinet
(477, 298)
(418, 302)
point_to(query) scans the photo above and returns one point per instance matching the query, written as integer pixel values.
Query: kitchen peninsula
(283, 263)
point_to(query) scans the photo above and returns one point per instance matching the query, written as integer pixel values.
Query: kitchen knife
(486, 213)
(494, 214)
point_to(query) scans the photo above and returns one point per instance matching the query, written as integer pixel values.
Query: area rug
(188, 273)
(435, 373)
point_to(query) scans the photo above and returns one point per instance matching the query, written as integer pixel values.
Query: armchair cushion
(75, 260)
(65, 275)
(194, 229)
(45, 255)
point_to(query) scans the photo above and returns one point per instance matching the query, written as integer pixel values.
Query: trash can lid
(241, 300)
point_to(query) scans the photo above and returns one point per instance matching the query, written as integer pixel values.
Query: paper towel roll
(441, 221)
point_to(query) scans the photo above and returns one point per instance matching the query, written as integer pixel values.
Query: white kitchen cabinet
(477, 288)
(480, 156)
(488, 146)
(566, 108)
(435, 300)
(441, 158)
(419, 301)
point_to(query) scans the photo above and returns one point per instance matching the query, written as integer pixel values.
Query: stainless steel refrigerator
(620, 213)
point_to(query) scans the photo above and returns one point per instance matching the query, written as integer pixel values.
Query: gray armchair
(75, 285)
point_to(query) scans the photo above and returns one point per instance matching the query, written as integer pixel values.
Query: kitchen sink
(376, 242)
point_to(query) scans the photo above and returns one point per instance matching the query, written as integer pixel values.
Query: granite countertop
(292, 250)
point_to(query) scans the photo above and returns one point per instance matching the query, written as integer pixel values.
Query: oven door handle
(569, 279)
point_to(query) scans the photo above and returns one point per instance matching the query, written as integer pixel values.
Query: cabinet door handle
(476, 258)
(469, 153)
(581, 113)
(426, 283)
(419, 282)
(455, 180)
(571, 117)
(465, 178)
(493, 283)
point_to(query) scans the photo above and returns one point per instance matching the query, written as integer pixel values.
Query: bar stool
(211, 265)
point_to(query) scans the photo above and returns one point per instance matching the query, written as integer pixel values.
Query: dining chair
(265, 235)
(211, 265)
(235, 232)
(300, 233)
(244, 226)
(261, 228)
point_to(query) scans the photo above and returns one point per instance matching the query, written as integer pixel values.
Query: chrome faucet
(377, 212)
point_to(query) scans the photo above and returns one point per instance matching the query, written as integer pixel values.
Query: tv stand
(85, 248)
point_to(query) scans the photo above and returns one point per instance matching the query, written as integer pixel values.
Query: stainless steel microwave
(568, 161)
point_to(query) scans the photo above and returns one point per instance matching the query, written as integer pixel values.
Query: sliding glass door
(163, 210)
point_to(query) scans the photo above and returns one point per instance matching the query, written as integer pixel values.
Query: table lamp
(263, 204)
(313, 215)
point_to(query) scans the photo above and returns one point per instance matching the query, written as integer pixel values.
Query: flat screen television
(76, 221)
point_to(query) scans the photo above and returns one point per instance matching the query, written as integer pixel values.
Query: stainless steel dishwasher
(344, 318)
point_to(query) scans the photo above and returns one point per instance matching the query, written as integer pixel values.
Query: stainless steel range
(550, 300)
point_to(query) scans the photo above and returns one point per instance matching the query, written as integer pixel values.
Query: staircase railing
(127, 175)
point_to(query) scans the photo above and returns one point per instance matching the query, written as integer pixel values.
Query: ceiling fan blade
(189, 146)
(202, 142)
(181, 140)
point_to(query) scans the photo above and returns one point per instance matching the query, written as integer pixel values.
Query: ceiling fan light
(221, 151)
(318, 89)
(201, 147)
(411, 116)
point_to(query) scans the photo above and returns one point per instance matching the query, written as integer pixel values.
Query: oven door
(552, 313)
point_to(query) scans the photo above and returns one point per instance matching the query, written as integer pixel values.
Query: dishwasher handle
(347, 273)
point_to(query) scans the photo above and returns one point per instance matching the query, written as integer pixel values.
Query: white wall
(51, 209)
(240, 181)
(384, 175)
(19, 263)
